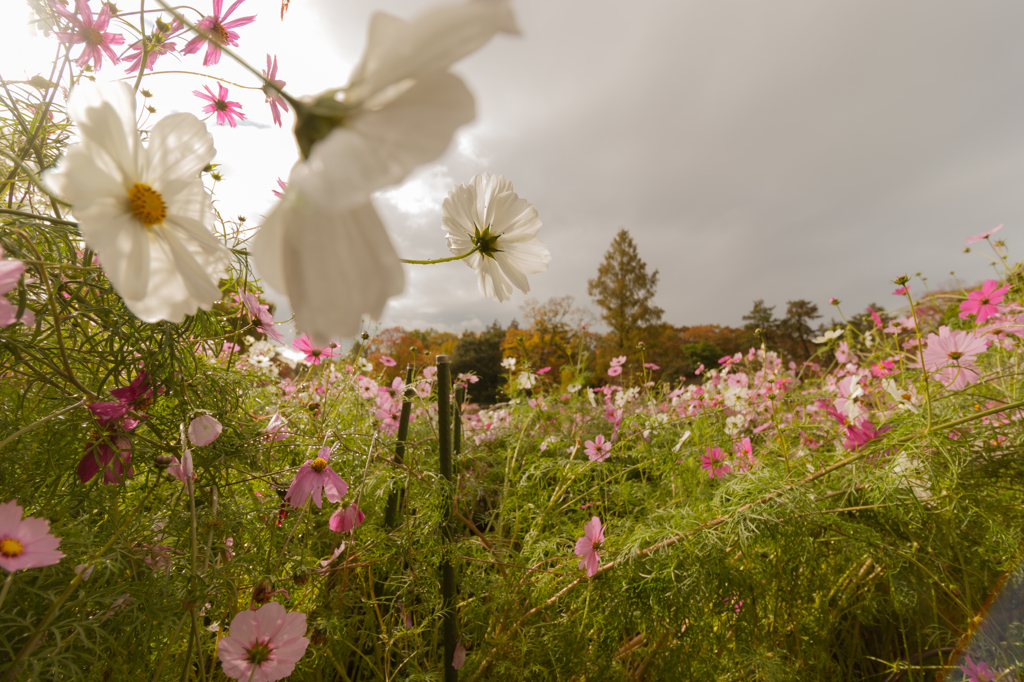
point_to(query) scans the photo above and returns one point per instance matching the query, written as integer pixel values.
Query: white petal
(179, 147)
(338, 266)
(398, 49)
(80, 180)
(106, 134)
(493, 282)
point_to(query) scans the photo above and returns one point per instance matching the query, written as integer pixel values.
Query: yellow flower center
(220, 34)
(10, 547)
(93, 37)
(318, 465)
(147, 204)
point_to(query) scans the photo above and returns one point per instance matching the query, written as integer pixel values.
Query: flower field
(190, 496)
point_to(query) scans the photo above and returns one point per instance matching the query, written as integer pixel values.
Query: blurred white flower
(682, 439)
(488, 217)
(324, 245)
(828, 336)
(574, 387)
(509, 363)
(526, 380)
(364, 364)
(143, 209)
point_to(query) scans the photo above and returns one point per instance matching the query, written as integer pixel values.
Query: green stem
(439, 260)
(6, 587)
(444, 441)
(33, 177)
(33, 216)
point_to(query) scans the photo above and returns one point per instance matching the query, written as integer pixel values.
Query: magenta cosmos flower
(315, 475)
(25, 543)
(598, 449)
(977, 671)
(950, 357)
(314, 355)
(260, 313)
(90, 32)
(274, 98)
(226, 111)
(588, 546)
(346, 519)
(155, 45)
(136, 396)
(713, 461)
(263, 645)
(215, 31)
(108, 450)
(984, 303)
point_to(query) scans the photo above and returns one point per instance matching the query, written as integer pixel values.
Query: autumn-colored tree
(404, 347)
(553, 336)
(625, 292)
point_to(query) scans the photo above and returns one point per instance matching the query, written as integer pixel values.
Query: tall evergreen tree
(624, 291)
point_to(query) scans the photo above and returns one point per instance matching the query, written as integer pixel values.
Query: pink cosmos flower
(276, 429)
(183, 471)
(274, 98)
(10, 273)
(387, 361)
(651, 366)
(617, 361)
(314, 355)
(543, 370)
(204, 430)
(978, 671)
(215, 31)
(598, 450)
(588, 546)
(260, 313)
(744, 455)
(283, 185)
(430, 373)
(951, 356)
(226, 111)
(315, 475)
(263, 645)
(860, 434)
(157, 45)
(136, 396)
(25, 543)
(464, 378)
(614, 371)
(984, 303)
(346, 519)
(875, 318)
(713, 461)
(983, 235)
(459, 659)
(901, 291)
(90, 32)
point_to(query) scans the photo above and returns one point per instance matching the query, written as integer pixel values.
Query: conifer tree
(624, 291)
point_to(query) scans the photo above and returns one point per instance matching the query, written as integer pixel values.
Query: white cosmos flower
(828, 336)
(324, 245)
(487, 215)
(143, 209)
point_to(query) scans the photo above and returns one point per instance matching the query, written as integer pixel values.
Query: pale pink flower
(651, 366)
(314, 355)
(713, 461)
(263, 645)
(597, 450)
(984, 303)
(156, 45)
(614, 371)
(346, 519)
(459, 659)
(274, 98)
(618, 361)
(204, 430)
(260, 313)
(589, 545)
(950, 357)
(978, 671)
(983, 235)
(313, 476)
(387, 361)
(90, 32)
(10, 273)
(430, 373)
(423, 389)
(226, 111)
(25, 543)
(183, 471)
(216, 31)
(744, 455)
(277, 428)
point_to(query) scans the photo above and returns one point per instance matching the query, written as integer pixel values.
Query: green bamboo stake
(395, 496)
(444, 441)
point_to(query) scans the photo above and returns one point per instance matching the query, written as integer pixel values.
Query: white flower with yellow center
(143, 209)
(324, 245)
(486, 217)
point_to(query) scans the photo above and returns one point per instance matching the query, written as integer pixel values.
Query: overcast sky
(776, 150)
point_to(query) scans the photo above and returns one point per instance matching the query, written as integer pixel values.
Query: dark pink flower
(156, 45)
(263, 645)
(983, 235)
(744, 455)
(25, 543)
(713, 462)
(387, 361)
(137, 395)
(314, 355)
(108, 450)
(260, 313)
(984, 303)
(589, 545)
(860, 434)
(284, 187)
(597, 450)
(875, 318)
(346, 519)
(90, 32)
(215, 31)
(226, 111)
(901, 291)
(614, 371)
(316, 475)
(274, 98)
